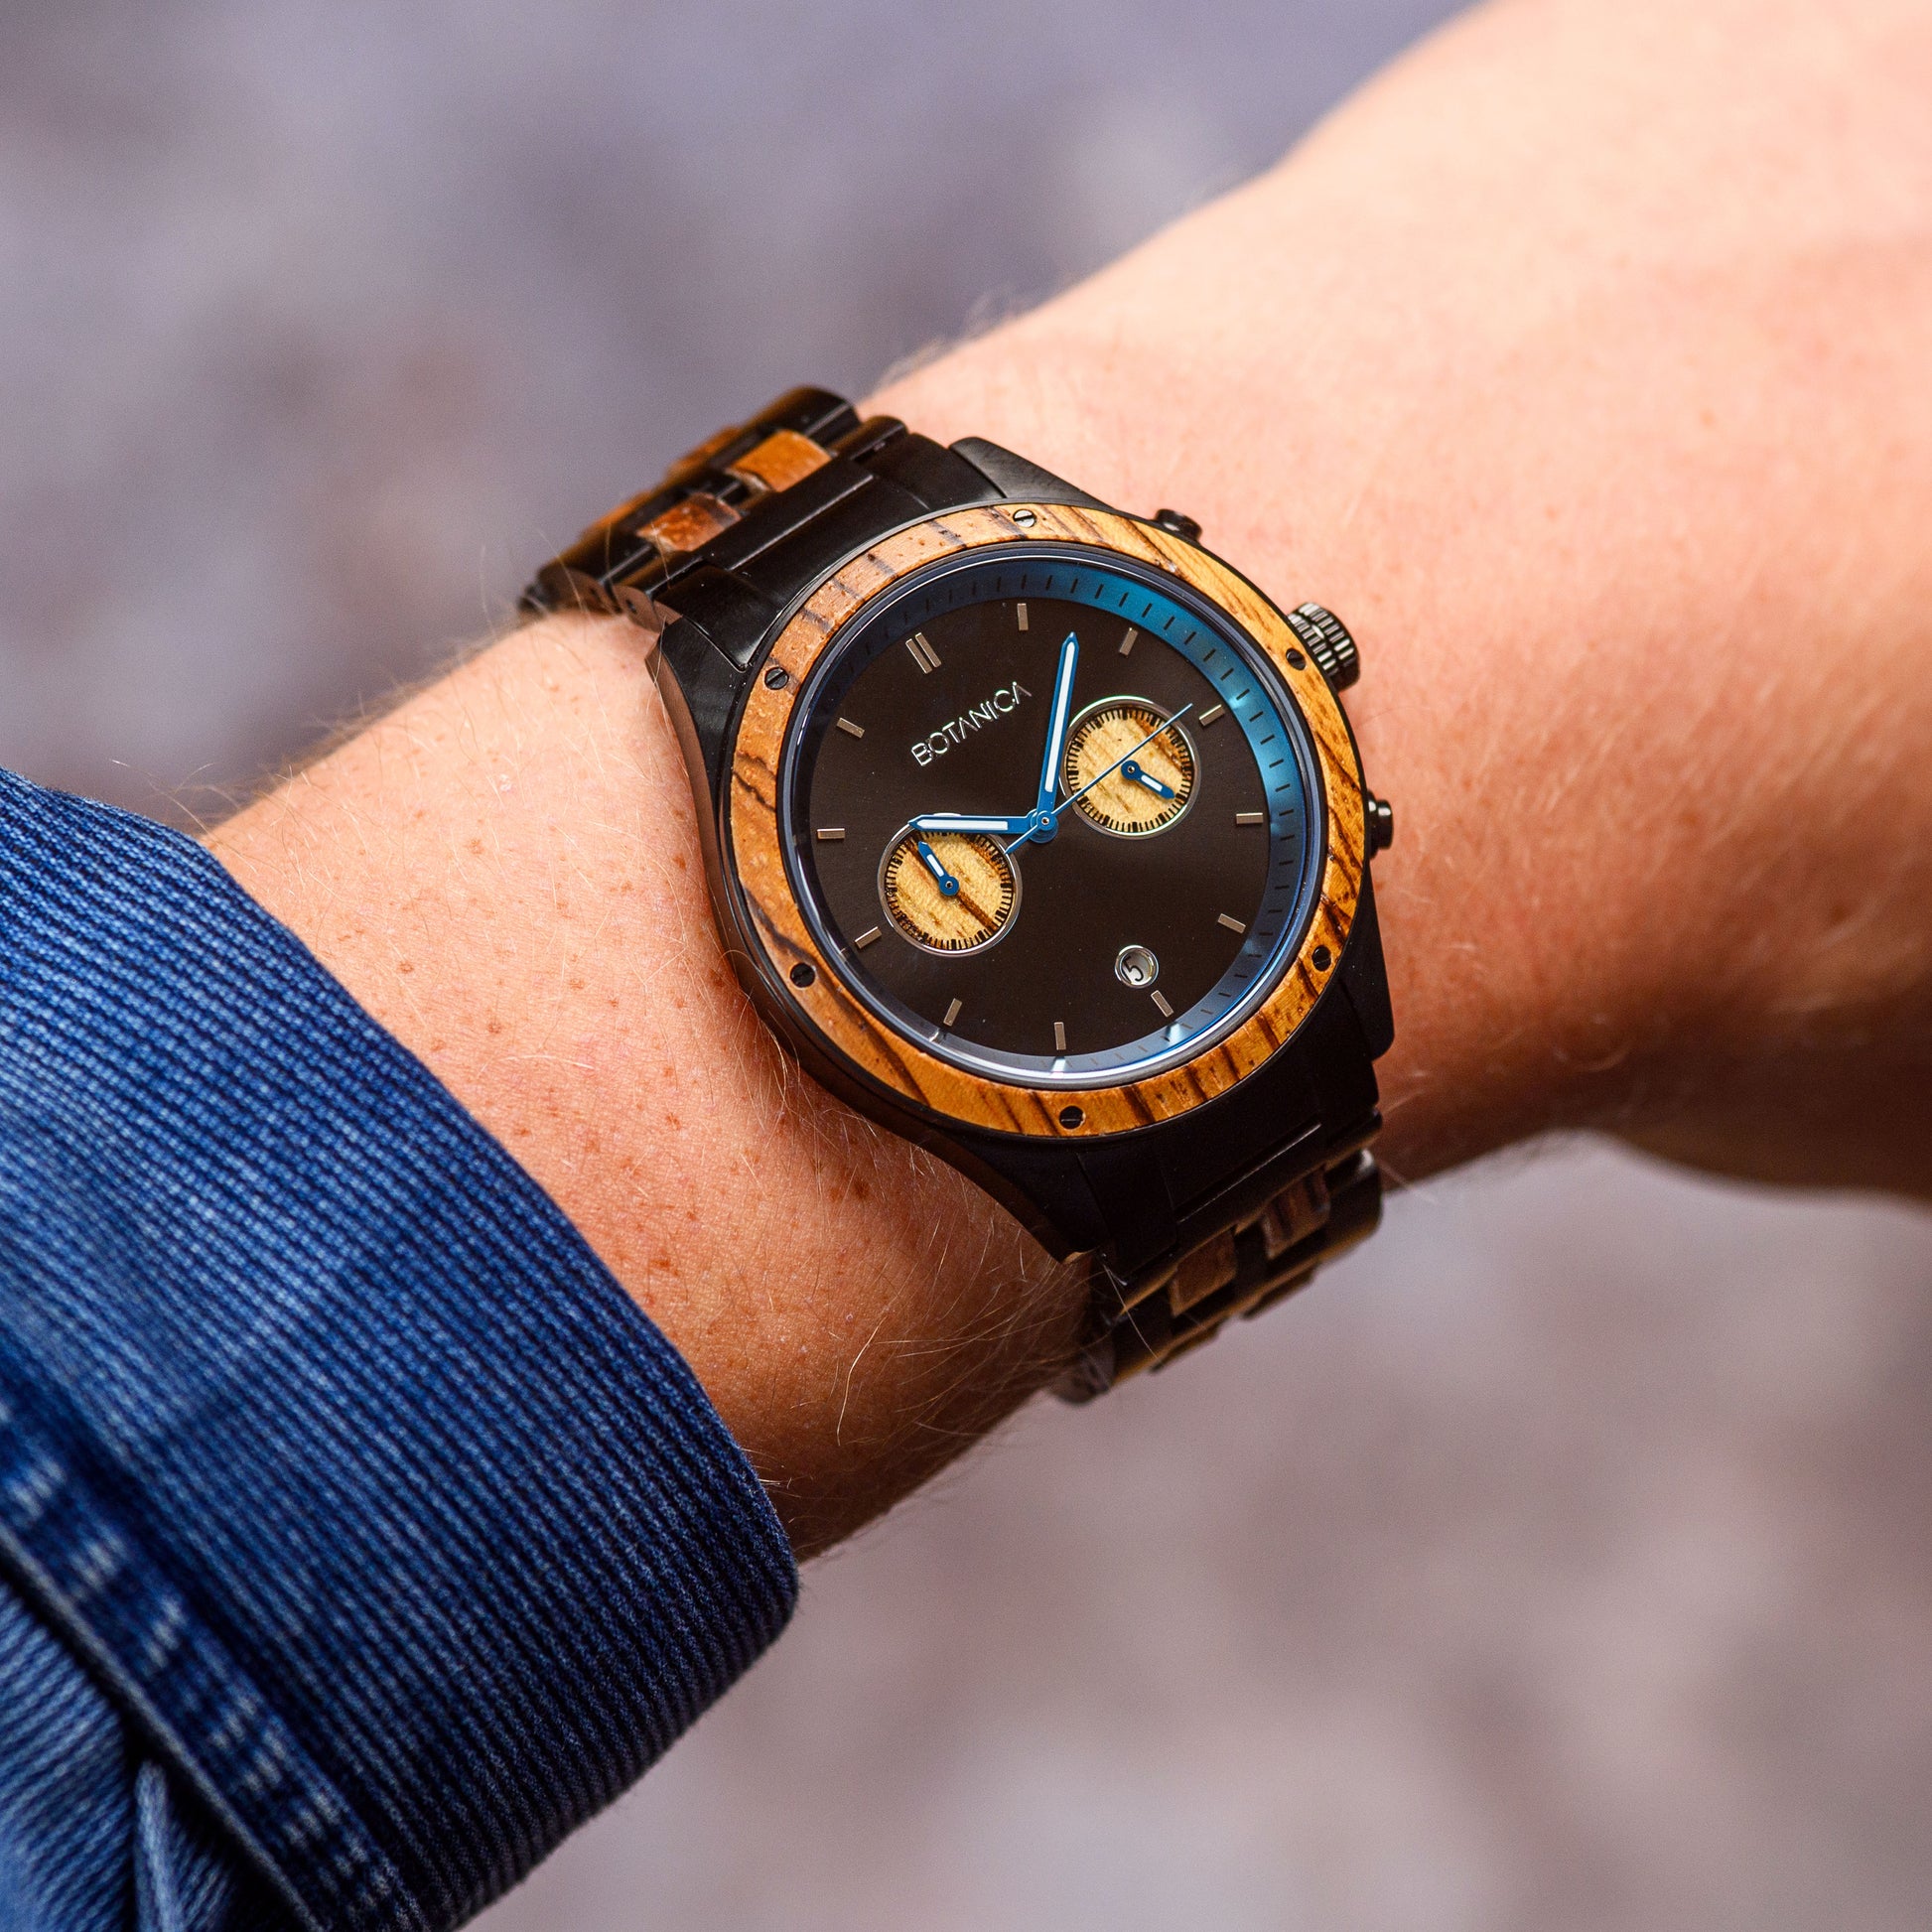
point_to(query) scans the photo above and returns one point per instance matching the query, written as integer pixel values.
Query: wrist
(506, 873)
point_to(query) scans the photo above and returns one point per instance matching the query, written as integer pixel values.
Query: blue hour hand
(970, 823)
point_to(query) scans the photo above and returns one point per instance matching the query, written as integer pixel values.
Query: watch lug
(1364, 976)
(700, 687)
(1014, 477)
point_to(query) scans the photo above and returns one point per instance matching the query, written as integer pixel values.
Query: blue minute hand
(1056, 722)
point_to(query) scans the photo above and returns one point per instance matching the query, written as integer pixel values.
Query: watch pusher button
(1180, 525)
(1379, 823)
(1328, 644)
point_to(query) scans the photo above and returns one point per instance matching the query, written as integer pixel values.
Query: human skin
(1583, 363)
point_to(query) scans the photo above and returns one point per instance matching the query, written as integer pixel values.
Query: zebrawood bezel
(774, 926)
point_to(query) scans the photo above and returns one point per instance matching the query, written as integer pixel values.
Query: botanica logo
(937, 744)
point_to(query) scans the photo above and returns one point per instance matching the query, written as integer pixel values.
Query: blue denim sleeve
(359, 1537)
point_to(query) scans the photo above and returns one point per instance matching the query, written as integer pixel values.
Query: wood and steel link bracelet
(707, 561)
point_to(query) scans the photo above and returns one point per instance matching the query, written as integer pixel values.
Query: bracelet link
(1264, 1258)
(626, 556)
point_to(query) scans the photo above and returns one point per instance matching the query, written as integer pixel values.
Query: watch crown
(1178, 524)
(1328, 644)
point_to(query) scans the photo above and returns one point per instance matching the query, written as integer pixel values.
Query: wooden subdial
(1150, 789)
(948, 891)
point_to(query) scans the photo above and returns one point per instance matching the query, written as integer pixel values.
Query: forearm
(1498, 369)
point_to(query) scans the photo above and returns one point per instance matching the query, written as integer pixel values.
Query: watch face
(1053, 817)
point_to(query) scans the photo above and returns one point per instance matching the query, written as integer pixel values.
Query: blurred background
(1562, 1561)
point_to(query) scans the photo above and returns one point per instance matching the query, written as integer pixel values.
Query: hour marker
(1022, 609)
(827, 833)
(1251, 818)
(1059, 1035)
(1233, 925)
(1127, 642)
(866, 937)
(1160, 999)
(857, 731)
(924, 655)
(952, 1012)
(1213, 712)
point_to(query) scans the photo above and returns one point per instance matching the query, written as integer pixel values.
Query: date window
(1134, 966)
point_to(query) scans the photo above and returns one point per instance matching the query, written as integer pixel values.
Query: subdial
(948, 891)
(1154, 781)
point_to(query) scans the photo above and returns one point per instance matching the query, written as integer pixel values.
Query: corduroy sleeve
(333, 1462)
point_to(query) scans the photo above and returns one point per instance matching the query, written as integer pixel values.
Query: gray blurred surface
(1562, 1561)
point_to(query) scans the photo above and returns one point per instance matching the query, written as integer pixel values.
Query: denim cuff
(324, 1436)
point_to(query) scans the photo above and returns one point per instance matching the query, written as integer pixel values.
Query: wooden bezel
(775, 925)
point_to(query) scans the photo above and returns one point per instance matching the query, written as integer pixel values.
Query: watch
(1036, 833)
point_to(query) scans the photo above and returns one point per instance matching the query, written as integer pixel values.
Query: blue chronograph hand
(1125, 756)
(1136, 773)
(948, 884)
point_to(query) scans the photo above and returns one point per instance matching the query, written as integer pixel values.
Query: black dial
(1051, 817)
